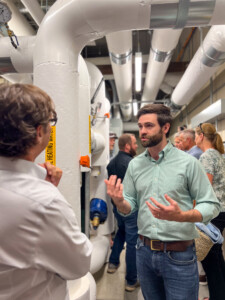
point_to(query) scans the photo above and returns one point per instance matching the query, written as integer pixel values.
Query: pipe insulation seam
(162, 56)
(213, 57)
(121, 59)
(182, 13)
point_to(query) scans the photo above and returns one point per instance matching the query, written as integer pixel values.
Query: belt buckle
(152, 247)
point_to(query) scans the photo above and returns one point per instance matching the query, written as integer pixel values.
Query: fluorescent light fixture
(138, 71)
(135, 107)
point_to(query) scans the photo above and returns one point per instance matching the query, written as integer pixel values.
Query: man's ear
(127, 147)
(39, 131)
(166, 128)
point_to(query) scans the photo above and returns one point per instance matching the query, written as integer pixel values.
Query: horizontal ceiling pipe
(120, 49)
(206, 61)
(34, 9)
(162, 47)
(19, 23)
(19, 78)
(18, 60)
(78, 22)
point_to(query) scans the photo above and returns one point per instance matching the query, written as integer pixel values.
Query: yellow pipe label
(50, 150)
(89, 134)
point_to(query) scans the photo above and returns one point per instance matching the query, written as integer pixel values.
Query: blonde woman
(210, 142)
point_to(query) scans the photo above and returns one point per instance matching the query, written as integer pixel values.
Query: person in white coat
(41, 243)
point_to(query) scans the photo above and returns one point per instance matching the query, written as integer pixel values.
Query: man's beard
(152, 140)
(132, 152)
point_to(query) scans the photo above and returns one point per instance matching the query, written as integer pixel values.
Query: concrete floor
(112, 286)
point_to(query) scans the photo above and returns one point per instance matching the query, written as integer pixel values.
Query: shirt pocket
(174, 183)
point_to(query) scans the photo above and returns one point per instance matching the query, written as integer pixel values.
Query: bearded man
(172, 180)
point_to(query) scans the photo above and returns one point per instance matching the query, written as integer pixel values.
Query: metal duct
(163, 44)
(206, 61)
(120, 51)
(182, 13)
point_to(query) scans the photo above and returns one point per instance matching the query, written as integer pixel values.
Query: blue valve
(98, 212)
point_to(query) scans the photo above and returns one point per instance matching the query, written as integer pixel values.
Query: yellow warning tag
(50, 150)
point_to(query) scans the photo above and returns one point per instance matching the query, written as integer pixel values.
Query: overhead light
(135, 107)
(138, 71)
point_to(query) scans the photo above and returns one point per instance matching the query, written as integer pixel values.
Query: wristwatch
(5, 13)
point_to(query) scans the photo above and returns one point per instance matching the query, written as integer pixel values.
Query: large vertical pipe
(120, 52)
(164, 42)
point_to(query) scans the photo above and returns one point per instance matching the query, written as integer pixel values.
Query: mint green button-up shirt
(177, 174)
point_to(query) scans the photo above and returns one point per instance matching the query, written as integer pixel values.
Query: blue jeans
(127, 232)
(167, 275)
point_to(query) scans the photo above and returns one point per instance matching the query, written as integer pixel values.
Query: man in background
(187, 139)
(127, 226)
(177, 141)
(112, 138)
(41, 243)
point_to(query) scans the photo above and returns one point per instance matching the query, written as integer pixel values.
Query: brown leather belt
(157, 245)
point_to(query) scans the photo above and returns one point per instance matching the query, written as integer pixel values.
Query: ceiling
(141, 42)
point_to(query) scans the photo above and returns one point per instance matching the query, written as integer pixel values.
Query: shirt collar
(123, 152)
(22, 166)
(162, 153)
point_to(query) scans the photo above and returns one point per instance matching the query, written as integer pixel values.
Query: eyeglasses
(200, 126)
(54, 120)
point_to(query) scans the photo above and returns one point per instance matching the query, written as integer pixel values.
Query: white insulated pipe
(18, 78)
(18, 60)
(84, 112)
(95, 77)
(97, 142)
(16, 65)
(120, 52)
(99, 254)
(18, 22)
(80, 289)
(206, 61)
(164, 41)
(100, 123)
(34, 9)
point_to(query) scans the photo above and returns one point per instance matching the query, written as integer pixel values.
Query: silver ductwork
(182, 13)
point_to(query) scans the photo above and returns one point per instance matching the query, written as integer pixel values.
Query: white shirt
(41, 243)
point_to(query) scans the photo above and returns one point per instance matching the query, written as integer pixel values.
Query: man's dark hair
(23, 108)
(162, 112)
(123, 140)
